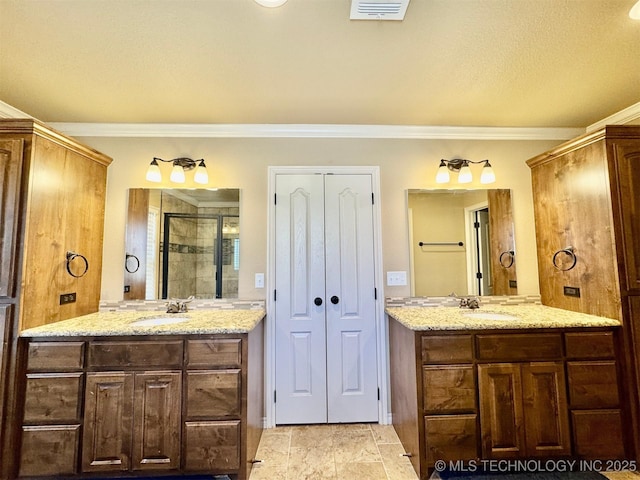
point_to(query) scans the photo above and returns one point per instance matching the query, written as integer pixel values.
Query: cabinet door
(626, 159)
(156, 424)
(106, 441)
(545, 409)
(10, 177)
(501, 415)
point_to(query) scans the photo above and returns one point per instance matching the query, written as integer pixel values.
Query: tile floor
(346, 451)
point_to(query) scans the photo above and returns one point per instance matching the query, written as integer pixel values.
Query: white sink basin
(156, 321)
(490, 316)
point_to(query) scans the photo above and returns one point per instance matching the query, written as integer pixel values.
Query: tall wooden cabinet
(587, 201)
(52, 202)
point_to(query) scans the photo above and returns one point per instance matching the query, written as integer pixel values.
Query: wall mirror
(461, 242)
(182, 242)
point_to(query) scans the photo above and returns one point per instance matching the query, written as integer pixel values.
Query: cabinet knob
(317, 301)
(335, 300)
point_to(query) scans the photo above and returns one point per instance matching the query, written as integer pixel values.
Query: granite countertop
(120, 323)
(526, 316)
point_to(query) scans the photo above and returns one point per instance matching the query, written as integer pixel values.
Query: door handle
(317, 301)
(335, 300)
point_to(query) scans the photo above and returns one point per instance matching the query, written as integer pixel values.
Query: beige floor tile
(274, 448)
(384, 434)
(622, 475)
(352, 446)
(398, 466)
(312, 436)
(263, 471)
(361, 471)
(311, 464)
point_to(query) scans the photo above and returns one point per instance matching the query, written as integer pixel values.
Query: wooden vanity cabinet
(586, 195)
(53, 196)
(464, 396)
(137, 405)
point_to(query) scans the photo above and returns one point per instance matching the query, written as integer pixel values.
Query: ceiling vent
(378, 9)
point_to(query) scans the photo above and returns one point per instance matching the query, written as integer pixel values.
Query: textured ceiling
(520, 63)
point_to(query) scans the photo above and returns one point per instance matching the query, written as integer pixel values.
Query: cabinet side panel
(502, 242)
(572, 207)
(404, 393)
(136, 243)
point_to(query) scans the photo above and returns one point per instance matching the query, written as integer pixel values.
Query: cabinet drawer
(518, 347)
(49, 450)
(55, 356)
(451, 437)
(449, 388)
(593, 384)
(211, 446)
(597, 434)
(52, 397)
(214, 353)
(447, 349)
(142, 354)
(213, 393)
(589, 345)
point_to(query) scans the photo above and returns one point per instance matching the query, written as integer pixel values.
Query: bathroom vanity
(504, 382)
(142, 393)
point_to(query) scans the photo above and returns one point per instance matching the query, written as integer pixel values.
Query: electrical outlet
(572, 292)
(513, 284)
(127, 288)
(67, 298)
(396, 278)
(259, 280)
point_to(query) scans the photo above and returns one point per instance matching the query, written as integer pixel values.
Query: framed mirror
(182, 242)
(461, 242)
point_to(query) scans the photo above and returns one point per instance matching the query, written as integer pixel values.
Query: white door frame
(381, 328)
(472, 256)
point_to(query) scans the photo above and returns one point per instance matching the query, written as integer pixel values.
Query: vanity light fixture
(461, 166)
(271, 3)
(177, 172)
(634, 13)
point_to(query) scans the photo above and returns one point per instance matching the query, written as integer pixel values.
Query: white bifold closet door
(326, 368)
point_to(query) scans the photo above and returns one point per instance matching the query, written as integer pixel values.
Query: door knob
(335, 300)
(317, 301)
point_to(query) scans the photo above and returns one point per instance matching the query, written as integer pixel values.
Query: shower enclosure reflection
(187, 242)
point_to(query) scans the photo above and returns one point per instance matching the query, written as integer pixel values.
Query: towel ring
(126, 263)
(568, 251)
(71, 256)
(506, 258)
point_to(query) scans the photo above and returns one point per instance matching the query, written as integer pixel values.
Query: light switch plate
(259, 280)
(396, 278)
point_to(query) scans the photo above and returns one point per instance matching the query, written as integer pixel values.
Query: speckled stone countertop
(526, 316)
(121, 323)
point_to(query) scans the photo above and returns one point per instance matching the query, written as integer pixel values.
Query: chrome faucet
(178, 306)
(469, 302)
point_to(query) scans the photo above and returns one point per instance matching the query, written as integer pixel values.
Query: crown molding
(7, 111)
(619, 118)
(313, 131)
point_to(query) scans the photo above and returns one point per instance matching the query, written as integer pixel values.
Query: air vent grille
(378, 9)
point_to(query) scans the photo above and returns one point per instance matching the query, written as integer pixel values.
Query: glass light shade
(153, 172)
(443, 174)
(201, 176)
(465, 175)
(634, 13)
(487, 175)
(271, 3)
(177, 174)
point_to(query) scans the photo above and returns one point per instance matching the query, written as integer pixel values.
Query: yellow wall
(243, 162)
